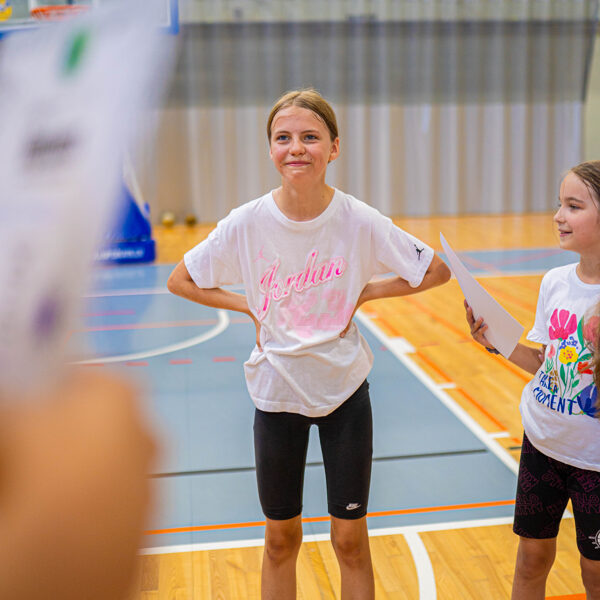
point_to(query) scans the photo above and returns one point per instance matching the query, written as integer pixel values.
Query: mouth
(296, 163)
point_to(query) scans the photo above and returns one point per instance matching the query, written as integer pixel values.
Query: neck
(588, 269)
(303, 204)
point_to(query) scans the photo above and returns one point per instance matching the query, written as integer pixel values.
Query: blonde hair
(310, 99)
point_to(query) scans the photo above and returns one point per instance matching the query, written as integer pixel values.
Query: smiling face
(578, 217)
(301, 145)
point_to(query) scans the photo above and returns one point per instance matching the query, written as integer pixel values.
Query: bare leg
(282, 544)
(590, 574)
(534, 561)
(351, 544)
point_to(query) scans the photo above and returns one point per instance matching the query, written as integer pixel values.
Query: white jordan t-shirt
(302, 281)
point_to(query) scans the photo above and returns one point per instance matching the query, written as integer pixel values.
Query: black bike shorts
(346, 436)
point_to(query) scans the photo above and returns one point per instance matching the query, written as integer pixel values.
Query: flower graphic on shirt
(590, 331)
(567, 355)
(568, 361)
(584, 367)
(562, 324)
(588, 401)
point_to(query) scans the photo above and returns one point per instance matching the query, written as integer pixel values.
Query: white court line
(222, 324)
(444, 398)
(425, 575)
(450, 385)
(324, 537)
(134, 292)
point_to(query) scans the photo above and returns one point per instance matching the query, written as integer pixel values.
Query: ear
(335, 150)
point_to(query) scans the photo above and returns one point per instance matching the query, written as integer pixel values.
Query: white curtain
(444, 106)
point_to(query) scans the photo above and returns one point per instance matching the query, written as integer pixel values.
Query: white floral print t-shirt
(559, 406)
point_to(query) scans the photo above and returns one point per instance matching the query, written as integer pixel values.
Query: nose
(296, 146)
(558, 215)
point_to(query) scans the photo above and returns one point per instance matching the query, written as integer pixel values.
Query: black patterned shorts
(544, 487)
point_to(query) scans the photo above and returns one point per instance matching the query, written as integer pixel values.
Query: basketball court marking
(444, 398)
(402, 351)
(222, 324)
(425, 575)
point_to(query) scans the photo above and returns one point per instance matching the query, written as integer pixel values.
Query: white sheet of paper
(504, 331)
(70, 96)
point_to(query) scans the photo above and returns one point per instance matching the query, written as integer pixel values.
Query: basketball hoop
(57, 12)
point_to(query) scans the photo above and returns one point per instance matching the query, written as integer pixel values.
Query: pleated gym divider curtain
(444, 106)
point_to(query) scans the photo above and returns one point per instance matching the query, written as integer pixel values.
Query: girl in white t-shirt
(306, 253)
(560, 457)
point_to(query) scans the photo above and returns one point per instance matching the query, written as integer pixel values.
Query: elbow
(438, 273)
(173, 284)
(444, 273)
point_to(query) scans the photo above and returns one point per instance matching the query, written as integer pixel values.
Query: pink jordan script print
(314, 274)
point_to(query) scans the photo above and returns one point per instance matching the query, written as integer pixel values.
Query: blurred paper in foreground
(504, 331)
(70, 97)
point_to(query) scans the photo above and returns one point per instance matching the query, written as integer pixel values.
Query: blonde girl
(305, 253)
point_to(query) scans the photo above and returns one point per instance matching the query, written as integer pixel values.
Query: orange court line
(387, 324)
(385, 513)
(436, 317)
(431, 364)
(567, 597)
(461, 391)
(472, 400)
(508, 298)
(448, 379)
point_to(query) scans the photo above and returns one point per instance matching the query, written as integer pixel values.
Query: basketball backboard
(18, 14)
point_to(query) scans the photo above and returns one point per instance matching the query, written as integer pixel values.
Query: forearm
(437, 274)
(220, 298)
(526, 357)
(181, 284)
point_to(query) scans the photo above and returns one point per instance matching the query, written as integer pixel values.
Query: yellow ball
(190, 219)
(168, 218)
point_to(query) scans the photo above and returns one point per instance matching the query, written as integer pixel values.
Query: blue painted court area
(424, 457)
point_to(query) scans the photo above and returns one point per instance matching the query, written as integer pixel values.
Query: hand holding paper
(504, 331)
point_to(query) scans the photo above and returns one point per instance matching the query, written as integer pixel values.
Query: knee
(283, 545)
(352, 550)
(534, 561)
(590, 575)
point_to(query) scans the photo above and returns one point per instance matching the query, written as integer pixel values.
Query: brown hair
(589, 173)
(308, 98)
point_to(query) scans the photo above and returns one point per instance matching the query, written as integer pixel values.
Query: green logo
(75, 52)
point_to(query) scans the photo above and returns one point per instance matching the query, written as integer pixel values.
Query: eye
(282, 137)
(310, 137)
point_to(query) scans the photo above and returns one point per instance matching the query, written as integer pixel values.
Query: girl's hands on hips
(478, 328)
(258, 327)
(361, 300)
